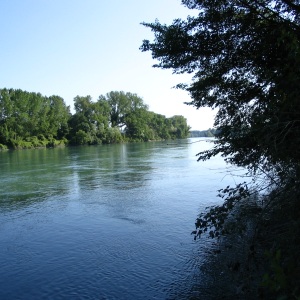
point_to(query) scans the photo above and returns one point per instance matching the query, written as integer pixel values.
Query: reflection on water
(103, 222)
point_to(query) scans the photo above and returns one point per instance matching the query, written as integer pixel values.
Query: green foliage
(82, 137)
(58, 117)
(113, 135)
(25, 115)
(179, 128)
(211, 132)
(30, 120)
(3, 147)
(277, 279)
(243, 56)
(215, 220)
(121, 104)
(120, 116)
(137, 128)
(143, 125)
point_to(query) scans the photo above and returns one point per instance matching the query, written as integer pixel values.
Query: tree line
(211, 132)
(29, 119)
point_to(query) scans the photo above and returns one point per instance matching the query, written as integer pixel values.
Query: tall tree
(58, 116)
(137, 125)
(121, 105)
(179, 127)
(242, 55)
(6, 111)
(82, 127)
(27, 116)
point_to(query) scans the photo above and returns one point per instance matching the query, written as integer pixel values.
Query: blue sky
(91, 47)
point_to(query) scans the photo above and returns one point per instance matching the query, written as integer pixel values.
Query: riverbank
(33, 143)
(260, 258)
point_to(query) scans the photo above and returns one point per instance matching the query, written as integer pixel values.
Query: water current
(104, 222)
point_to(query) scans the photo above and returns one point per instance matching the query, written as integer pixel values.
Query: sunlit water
(104, 222)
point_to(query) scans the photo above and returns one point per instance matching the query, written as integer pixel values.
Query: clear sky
(91, 47)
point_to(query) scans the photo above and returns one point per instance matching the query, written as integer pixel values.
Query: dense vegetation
(30, 119)
(211, 132)
(245, 56)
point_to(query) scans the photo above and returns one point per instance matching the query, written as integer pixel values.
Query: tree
(161, 126)
(179, 127)
(137, 125)
(6, 111)
(30, 119)
(243, 55)
(58, 117)
(121, 104)
(102, 113)
(83, 129)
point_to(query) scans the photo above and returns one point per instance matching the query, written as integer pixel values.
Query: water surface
(104, 222)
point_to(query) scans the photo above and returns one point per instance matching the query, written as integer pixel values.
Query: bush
(3, 147)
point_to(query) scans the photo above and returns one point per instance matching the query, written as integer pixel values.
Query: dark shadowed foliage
(244, 57)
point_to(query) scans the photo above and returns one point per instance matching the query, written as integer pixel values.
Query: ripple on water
(103, 223)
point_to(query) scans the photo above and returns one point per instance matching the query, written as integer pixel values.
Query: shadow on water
(231, 267)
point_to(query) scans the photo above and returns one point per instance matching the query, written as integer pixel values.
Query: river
(104, 222)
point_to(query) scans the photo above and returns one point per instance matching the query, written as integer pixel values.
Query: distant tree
(82, 127)
(47, 116)
(160, 125)
(58, 116)
(113, 135)
(101, 113)
(30, 117)
(83, 105)
(121, 104)
(203, 133)
(179, 127)
(32, 120)
(6, 112)
(82, 137)
(138, 125)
